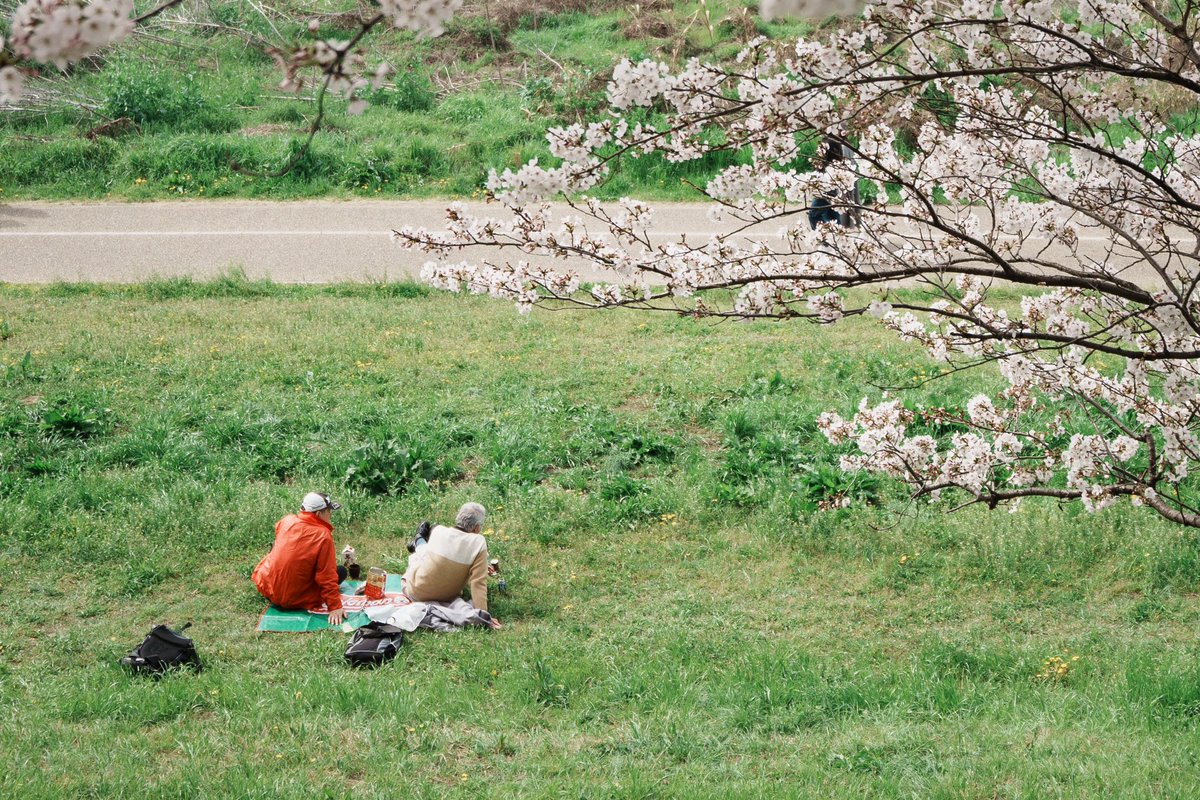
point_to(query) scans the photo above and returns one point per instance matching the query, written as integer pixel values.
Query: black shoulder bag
(161, 650)
(373, 644)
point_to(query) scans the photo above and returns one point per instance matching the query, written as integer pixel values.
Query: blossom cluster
(425, 17)
(519, 282)
(343, 70)
(61, 32)
(12, 81)
(58, 32)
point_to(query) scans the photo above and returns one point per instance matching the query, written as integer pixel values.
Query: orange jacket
(301, 569)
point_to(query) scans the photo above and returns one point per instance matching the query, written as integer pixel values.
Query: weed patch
(394, 465)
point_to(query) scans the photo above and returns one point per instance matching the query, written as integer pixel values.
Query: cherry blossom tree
(1028, 196)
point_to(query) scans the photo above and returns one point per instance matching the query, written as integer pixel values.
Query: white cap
(316, 501)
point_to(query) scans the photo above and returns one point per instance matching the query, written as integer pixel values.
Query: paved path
(289, 242)
(320, 241)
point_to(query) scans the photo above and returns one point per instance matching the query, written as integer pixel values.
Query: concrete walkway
(289, 242)
(318, 241)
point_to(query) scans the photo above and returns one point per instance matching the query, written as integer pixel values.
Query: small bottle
(494, 569)
(376, 581)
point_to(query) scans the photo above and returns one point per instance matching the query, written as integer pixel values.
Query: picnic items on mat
(278, 620)
(394, 608)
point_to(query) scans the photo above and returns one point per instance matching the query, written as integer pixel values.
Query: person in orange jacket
(301, 571)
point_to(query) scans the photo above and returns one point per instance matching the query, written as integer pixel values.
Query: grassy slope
(204, 97)
(680, 623)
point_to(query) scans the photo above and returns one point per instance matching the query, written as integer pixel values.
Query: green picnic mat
(277, 620)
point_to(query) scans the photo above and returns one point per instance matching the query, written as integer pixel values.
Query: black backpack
(161, 650)
(373, 644)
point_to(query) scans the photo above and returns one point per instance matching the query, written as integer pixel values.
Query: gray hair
(470, 518)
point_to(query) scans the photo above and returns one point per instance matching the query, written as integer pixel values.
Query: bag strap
(378, 630)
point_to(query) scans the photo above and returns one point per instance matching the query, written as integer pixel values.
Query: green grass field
(683, 620)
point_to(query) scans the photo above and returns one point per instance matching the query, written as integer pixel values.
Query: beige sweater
(452, 559)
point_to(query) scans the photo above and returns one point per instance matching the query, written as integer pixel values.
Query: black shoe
(423, 531)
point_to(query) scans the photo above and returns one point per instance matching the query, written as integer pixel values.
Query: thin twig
(154, 12)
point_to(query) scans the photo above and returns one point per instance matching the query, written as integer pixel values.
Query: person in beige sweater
(452, 559)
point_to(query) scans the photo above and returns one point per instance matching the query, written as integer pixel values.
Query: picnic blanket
(278, 620)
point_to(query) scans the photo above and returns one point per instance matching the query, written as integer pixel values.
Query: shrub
(618, 488)
(151, 96)
(75, 163)
(73, 420)
(15, 373)
(420, 158)
(285, 112)
(1166, 691)
(742, 426)
(412, 91)
(737, 494)
(762, 386)
(627, 499)
(744, 464)
(462, 108)
(165, 158)
(320, 160)
(406, 289)
(547, 689)
(640, 446)
(515, 461)
(371, 169)
(13, 422)
(139, 579)
(827, 485)
(537, 93)
(623, 447)
(391, 466)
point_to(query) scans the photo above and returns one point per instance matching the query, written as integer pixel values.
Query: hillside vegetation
(167, 112)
